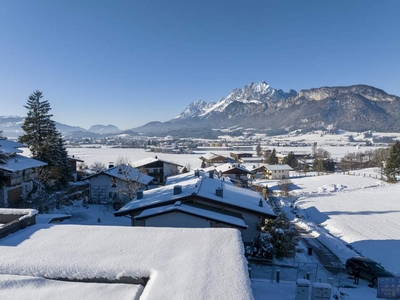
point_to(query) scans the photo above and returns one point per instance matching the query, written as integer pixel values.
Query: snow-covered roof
(279, 167)
(253, 167)
(149, 160)
(227, 167)
(18, 163)
(180, 263)
(73, 157)
(10, 147)
(125, 172)
(190, 175)
(251, 159)
(204, 213)
(210, 155)
(23, 212)
(204, 187)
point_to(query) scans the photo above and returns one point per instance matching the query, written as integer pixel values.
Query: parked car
(369, 269)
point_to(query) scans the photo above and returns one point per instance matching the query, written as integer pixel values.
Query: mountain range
(260, 108)
(11, 127)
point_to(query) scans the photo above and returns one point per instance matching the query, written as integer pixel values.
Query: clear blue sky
(131, 62)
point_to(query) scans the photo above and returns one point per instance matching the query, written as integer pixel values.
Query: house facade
(200, 202)
(117, 184)
(157, 168)
(277, 171)
(17, 173)
(211, 159)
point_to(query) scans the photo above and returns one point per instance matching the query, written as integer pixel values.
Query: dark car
(369, 269)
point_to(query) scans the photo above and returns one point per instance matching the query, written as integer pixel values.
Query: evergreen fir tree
(291, 160)
(44, 141)
(272, 159)
(38, 127)
(61, 161)
(278, 239)
(306, 168)
(258, 150)
(318, 165)
(393, 162)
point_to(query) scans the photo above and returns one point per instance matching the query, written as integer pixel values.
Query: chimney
(177, 189)
(260, 203)
(197, 173)
(211, 174)
(219, 192)
(139, 195)
(110, 165)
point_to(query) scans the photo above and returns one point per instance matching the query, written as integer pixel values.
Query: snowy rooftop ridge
(204, 187)
(126, 173)
(16, 211)
(149, 160)
(10, 147)
(19, 162)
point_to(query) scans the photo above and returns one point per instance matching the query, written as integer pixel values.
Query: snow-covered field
(359, 212)
(351, 215)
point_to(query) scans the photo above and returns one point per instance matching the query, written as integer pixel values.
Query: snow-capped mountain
(195, 108)
(256, 93)
(262, 108)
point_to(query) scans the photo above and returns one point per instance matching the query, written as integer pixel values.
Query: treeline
(362, 160)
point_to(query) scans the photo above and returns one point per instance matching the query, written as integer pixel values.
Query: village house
(238, 155)
(212, 159)
(237, 173)
(17, 173)
(197, 200)
(73, 161)
(157, 168)
(277, 171)
(117, 184)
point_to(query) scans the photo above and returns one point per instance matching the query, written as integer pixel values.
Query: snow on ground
(351, 215)
(80, 213)
(359, 211)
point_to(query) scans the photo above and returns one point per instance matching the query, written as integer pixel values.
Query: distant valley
(259, 108)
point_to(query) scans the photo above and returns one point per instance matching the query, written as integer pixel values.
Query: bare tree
(284, 186)
(128, 182)
(123, 160)
(98, 166)
(322, 153)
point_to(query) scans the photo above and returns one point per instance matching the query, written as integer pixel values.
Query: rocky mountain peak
(254, 92)
(366, 91)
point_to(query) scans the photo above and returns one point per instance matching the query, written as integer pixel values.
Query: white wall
(170, 169)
